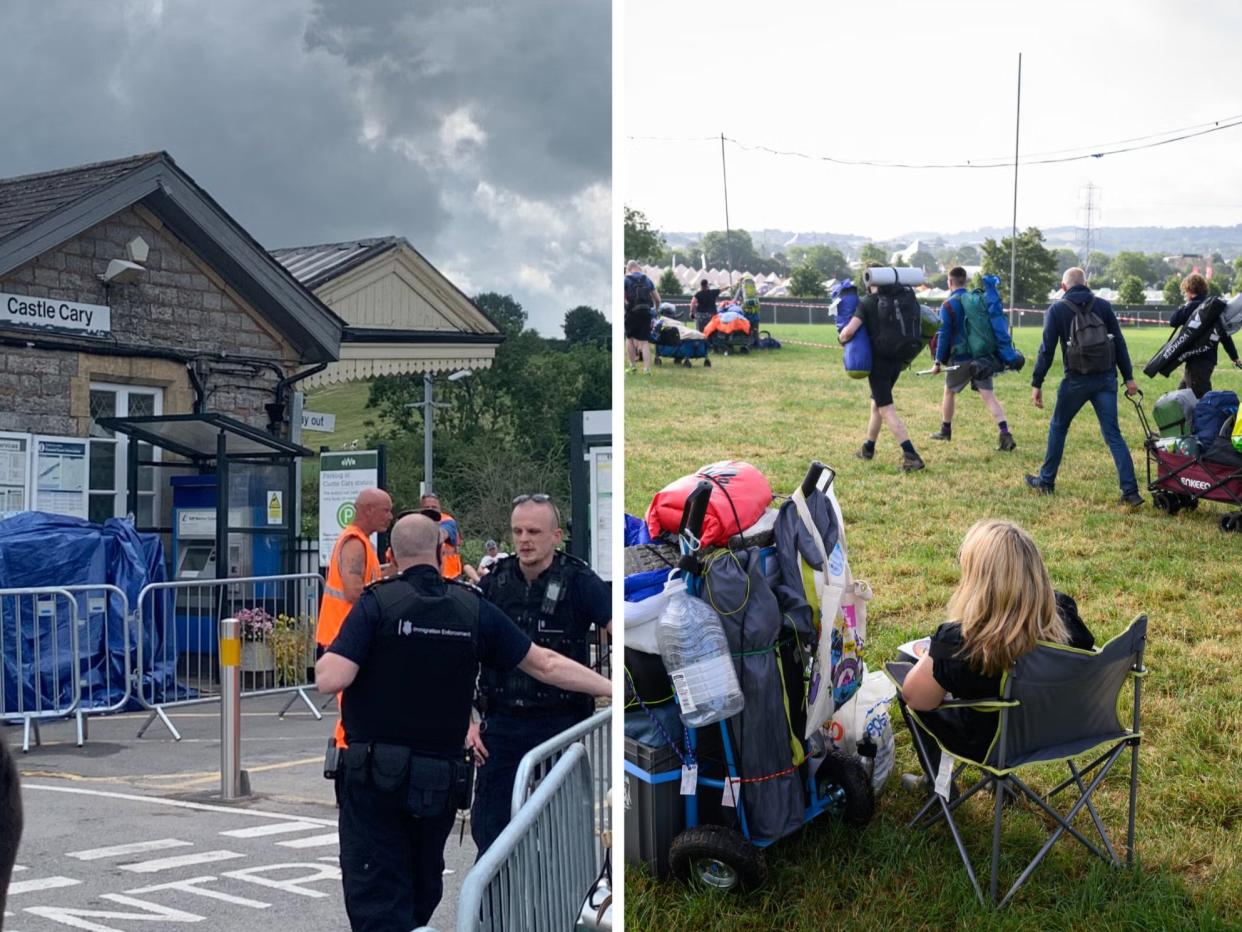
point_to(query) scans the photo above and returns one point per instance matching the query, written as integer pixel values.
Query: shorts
(638, 324)
(957, 380)
(882, 378)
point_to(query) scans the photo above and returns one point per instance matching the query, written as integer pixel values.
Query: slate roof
(29, 197)
(314, 265)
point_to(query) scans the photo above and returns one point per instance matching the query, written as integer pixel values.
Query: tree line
(1038, 267)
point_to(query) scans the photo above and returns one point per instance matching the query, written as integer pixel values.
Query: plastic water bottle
(696, 654)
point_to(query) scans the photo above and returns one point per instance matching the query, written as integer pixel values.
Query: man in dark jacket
(1201, 361)
(1080, 387)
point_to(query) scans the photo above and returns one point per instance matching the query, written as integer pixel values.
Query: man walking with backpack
(893, 320)
(966, 337)
(641, 298)
(1092, 349)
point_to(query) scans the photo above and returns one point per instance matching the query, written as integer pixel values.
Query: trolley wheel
(715, 857)
(1231, 522)
(1160, 499)
(1173, 503)
(659, 361)
(843, 776)
(744, 350)
(686, 363)
(707, 363)
(1189, 502)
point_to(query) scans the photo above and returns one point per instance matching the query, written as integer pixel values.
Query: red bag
(740, 493)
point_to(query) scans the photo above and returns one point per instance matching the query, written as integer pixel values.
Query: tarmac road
(129, 833)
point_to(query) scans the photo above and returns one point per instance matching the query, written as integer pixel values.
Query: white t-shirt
(488, 560)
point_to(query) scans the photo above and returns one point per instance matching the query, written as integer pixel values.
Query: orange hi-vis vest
(450, 555)
(334, 607)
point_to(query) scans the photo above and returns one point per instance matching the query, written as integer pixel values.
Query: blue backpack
(1211, 412)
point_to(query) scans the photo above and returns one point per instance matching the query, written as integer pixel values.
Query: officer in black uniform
(555, 599)
(407, 657)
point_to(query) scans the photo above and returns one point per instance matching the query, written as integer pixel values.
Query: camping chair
(1056, 703)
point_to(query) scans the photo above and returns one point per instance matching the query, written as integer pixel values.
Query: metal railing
(594, 735)
(64, 650)
(178, 625)
(536, 875)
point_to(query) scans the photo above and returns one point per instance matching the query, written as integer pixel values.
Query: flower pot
(258, 665)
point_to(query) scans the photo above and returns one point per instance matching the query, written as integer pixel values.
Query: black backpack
(897, 331)
(1089, 349)
(637, 291)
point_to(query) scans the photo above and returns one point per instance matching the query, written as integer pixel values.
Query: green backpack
(975, 337)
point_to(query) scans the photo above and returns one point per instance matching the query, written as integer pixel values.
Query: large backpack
(897, 332)
(975, 337)
(1089, 349)
(637, 291)
(1211, 412)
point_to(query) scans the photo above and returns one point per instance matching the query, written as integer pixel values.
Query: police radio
(331, 760)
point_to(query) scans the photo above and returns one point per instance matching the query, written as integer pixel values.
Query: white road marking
(184, 860)
(43, 883)
(175, 803)
(311, 841)
(276, 828)
(192, 886)
(20, 867)
(137, 847)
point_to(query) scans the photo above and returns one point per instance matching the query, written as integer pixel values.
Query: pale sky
(929, 82)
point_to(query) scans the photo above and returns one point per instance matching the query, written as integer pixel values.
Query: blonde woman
(1003, 604)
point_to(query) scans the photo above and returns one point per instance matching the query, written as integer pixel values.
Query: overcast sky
(480, 130)
(929, 82)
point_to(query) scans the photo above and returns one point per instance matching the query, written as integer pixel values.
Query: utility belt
(432, 786)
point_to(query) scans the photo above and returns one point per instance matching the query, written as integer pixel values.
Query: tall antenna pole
(724, 174)
(1013, 242)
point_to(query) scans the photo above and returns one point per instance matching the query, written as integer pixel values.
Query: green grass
(779, 410)
(348, 401)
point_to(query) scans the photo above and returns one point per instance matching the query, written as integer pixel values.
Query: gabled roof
(315, 266)
(40, 212)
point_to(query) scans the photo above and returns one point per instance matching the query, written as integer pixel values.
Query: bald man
(407, 657)
(352, 566)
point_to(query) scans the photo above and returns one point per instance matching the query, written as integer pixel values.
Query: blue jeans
(1075, 391)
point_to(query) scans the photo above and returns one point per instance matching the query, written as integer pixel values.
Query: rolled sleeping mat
(888, 275)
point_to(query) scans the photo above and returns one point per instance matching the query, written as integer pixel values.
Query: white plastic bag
(864, 720)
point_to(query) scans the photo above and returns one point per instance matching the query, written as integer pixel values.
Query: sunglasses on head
(539, 497)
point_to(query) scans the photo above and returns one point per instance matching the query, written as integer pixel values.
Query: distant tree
(871, 253)
(669, 286)
(938, 280)
(922, 259)
(736, 248)
(1214, 286)
(1097, 265)
(1173, 291)
(1126, 264)
(950, 256)
(1036, 267)
(642, 241)
(586, 325)
(501, 308)
(1066, 259)
(1131, 290)
(807, 282)
(1237, 268)
(829, 260)
(1158, 268)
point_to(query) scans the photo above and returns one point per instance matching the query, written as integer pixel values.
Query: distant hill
(1165, 240)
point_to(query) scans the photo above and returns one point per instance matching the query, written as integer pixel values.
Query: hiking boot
(941, 434)
(1133, 500)
(1035, 483)
(1007, 443)
(865, 452)
(911, 462)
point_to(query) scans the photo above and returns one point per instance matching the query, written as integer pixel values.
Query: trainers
(1134, 500)
(940, 435)
(1007, 443)
(1035, 483)
(865, 452)
(911, 462)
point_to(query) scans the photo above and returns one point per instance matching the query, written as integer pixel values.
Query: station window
(109, 456)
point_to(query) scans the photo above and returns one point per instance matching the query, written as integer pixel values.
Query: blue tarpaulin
(40, 550)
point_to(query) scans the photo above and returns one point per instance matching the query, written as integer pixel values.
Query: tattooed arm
(353, 568)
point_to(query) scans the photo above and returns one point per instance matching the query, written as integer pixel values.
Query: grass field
(778, 410)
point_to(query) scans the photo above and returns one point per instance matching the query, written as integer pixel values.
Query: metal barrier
(67, 653)
(536, 875)
(178, 625)
(594, 735)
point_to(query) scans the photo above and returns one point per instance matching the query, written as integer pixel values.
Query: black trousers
(392, 865)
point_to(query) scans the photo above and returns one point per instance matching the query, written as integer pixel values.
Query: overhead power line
(1076, 154)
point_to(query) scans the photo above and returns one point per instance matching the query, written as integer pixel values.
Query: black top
(970, 731)
(1057, 330)
(1220, 336)
(589, 597)
(502, 645)
(705, 299)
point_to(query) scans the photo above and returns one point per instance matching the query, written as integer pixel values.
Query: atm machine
(251, 552)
